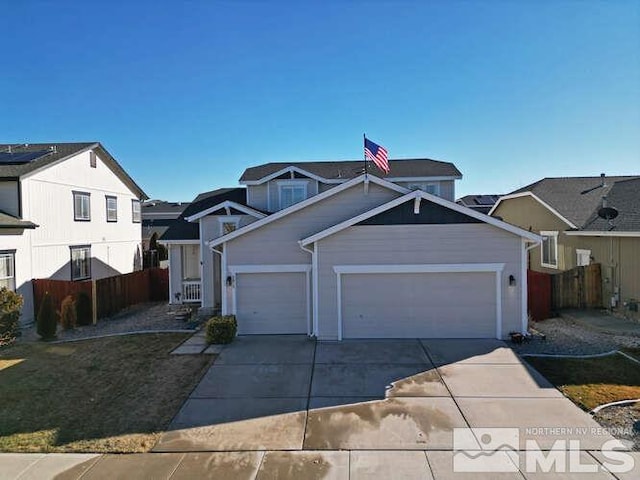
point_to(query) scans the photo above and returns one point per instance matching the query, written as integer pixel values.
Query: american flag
(377, 155)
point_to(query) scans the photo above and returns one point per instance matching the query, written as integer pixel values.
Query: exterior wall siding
(446, 187)
(277, 242)
(22, 271)
(257, 196)
(47, 200)
(418, 244)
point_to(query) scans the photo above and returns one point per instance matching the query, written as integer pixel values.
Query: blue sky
(186, 95)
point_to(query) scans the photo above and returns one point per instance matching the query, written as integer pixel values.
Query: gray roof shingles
(180, 229)
(420, 167)
(565, 195)
(60, 152)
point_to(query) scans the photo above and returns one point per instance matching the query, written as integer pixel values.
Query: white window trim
(11, 255)
(292, 183)
(77, 215)
(235, 219)
(554, 235)
(133, 210)
(89, 259)
(496, 268)
(582, 251)
(107, 198)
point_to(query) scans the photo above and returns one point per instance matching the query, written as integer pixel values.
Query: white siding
(9, 198)
(47, 200)
(175, 271)
(418, 244)
(257, 196)
(23, 260)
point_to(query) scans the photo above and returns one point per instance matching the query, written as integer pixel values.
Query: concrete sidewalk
(288, 407)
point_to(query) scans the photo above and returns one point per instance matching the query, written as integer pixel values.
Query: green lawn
(102, 395)
(591, 382)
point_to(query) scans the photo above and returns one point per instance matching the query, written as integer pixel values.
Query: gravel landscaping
(142, 317)
(565, 336)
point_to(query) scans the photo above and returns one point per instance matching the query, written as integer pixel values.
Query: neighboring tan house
(157, 215)
(565, 212)
(479, 203)
(68, 211)
(320, 249)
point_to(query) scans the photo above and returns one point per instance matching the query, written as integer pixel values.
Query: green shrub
(47, 321)
(68, 313)
(84, 309)
(221, 329)
(10, 306)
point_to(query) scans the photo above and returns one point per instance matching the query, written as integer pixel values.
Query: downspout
(313, 288)
(223, 295)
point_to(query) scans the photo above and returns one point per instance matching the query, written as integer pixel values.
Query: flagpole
(364, 143)
(366, 178)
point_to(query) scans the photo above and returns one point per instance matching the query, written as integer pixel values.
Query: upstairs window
(112, 209)
(81, 206)
(92, 159)
(81, 262)
(136, 216)
(291, 193)
(549, 249)
(432, 188)
(228, 224)
(7, 270)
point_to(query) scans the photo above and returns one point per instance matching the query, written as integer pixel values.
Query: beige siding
(528, 214)
(418, 244)
(619, 257)
(277, 242)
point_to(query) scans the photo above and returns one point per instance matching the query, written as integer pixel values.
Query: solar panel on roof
(18, 158)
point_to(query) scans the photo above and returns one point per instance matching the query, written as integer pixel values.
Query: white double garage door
(374, 303)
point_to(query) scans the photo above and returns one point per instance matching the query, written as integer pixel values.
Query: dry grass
(593, 381)
(102, 395)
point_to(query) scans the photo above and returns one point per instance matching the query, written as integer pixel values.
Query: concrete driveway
(290, 407)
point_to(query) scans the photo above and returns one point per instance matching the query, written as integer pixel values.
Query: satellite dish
(608, 213)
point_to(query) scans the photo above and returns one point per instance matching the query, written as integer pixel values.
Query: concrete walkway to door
(290, 407)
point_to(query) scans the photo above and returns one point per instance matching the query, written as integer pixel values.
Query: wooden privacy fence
(539, 295)
(580, 287)
(109, 295)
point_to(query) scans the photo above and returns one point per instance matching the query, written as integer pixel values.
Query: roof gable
(417, 197)
(59, 152)
(429, 214)
(341, 171)
(362, 179)
(181, 229)
(564, 196)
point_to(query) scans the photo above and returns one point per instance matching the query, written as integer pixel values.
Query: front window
(432, 188)
(136, 216)
(112, 209)
(291, 193)
(81, 206)
(80, 262)
(7, 270)
(549, 249)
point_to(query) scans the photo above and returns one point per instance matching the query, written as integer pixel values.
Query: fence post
(94, 301)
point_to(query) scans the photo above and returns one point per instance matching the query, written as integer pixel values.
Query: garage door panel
(271, 303)
(438, 305)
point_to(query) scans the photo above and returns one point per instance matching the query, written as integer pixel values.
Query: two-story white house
(325, 249)
(68, 211)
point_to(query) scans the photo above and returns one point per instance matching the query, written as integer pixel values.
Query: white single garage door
(419, 305)
(272, 303)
